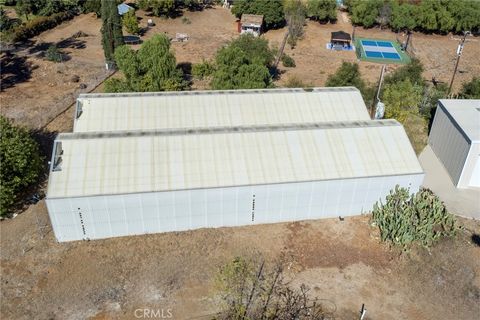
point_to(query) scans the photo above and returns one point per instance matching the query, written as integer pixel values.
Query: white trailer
(455, 139)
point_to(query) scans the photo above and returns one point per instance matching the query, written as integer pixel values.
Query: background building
(455, 140)
(251, 23)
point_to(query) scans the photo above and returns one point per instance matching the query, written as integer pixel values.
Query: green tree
(272, 11)
(21, 163)
(93, 6)
(402, 102)
(295, 13)
(152, 68)
(112, 36)
(401, 99)
(426, 17)
(471, 90)
(365, 12)
(322, 10)
(130, 22)
(465, 14)
(243, 64)
(347, 75)
(384, 14)
(5, 21)
(159, 7)
(403, 16)
(412, 71)
(26, 7)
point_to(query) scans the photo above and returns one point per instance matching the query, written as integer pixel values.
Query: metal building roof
(130, 162)
(466, 114)
(123, 8)
(198, 109)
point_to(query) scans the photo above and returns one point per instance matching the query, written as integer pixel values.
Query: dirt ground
(342, 262)
(34, 90)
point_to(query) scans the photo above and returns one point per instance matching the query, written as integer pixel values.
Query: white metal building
(455, 139)
(125, 183)
(210, 109)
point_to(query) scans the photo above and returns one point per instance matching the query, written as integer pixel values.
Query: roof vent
(57, 157)
(79, 110)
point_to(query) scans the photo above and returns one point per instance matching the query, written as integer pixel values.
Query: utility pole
(409, 34)
(459, 54)
(377, 94)
(282, 48)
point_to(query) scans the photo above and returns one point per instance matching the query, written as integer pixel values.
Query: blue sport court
(380, 51)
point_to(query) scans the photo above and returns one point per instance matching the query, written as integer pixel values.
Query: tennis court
(382, 51)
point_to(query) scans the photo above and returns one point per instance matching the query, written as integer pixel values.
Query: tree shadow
(14, 69)
(432, 116)
(70, 43)
(186, 68)
(476, 239)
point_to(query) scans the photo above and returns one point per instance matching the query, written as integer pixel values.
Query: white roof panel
(201, 109)
(129, 162)
(466, 114)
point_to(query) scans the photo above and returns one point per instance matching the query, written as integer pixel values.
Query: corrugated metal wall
(449, 144)
(133, 214)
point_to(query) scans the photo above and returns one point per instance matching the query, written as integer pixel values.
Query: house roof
(251, 19)
(124, 8)
(466, 114)
(197, 109)
(132, 162)
(341, 35)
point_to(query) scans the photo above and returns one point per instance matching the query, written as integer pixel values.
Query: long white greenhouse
(209, 109)
(286, 159)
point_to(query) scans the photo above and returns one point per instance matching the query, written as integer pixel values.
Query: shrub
(347, 75)
(153, 67)
(251, 289)
(406, 219)
(130, 22)
(21, 163)
(202, 70)
(185, 20)
(471, 90)
(294, 82)
(288, 61)
(5, 21)
(243, 64)
(38, 25)
(53, 54)
(412, 71)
